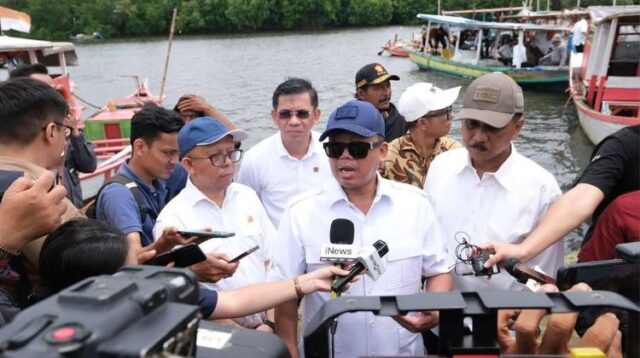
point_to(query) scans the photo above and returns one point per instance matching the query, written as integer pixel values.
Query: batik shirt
(405, 164)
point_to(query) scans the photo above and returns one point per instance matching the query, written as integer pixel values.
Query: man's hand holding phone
(216, 267)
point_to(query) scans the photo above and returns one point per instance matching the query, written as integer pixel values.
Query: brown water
(238, 73)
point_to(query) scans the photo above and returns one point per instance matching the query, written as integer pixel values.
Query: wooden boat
(605, 78)
(398, 48)
(109, 130)
(470, 64)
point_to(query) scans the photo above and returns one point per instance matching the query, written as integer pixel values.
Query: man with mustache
(373, 85)
(487, 191)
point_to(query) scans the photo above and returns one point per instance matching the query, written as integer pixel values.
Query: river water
(238, 73)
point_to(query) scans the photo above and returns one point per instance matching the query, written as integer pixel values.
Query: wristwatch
(270, 324)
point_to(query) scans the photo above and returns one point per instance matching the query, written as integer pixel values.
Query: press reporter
(603, 334)
(28, 210)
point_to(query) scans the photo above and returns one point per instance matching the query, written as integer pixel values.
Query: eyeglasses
(220, 159)
(446, 111)
(67, 129)
(358, 150)
(287, 114)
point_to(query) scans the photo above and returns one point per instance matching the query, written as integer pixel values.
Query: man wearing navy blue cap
(373, 84)
(211, 200)
(380, 210)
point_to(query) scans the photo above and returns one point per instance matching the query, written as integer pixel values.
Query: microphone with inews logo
(341, 248)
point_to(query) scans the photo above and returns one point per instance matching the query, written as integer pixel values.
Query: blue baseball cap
(204, 131)
(358, 117)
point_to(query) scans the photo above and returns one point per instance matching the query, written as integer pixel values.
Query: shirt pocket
(404, 266)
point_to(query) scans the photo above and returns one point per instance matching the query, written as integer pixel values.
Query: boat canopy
(14, 20)
(601, 14)
(473, 24)
(48, 53)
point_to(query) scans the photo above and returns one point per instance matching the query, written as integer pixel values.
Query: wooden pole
(166, 61)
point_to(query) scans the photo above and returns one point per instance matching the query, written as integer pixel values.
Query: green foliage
(369, 12)
(57, 19)
(405, 10)
(248, 14)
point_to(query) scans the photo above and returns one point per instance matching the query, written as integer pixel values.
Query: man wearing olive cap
(487, 191)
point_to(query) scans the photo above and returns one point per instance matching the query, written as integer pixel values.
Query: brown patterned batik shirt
(405, 164)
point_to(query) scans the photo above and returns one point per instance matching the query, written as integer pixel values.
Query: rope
(86, 102)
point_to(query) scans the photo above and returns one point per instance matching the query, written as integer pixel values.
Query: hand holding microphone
(522, 273)
(370, 259)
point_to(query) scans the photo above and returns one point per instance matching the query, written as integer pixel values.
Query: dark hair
(79, 249)
(295, 85)
(26, 105)
(152, 120)
(28, 70)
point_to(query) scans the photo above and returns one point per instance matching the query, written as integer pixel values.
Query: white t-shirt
(402, 217)
(579, 32)
(241, 213)
(502, 206)
(277, 177)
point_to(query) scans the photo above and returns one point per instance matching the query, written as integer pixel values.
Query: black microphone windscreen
(510, 265)
(341, 232)
(381, 247)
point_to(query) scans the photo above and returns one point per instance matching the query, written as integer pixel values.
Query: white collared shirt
(502, 206)
(401, 216)
(241, 213)
(277, 177)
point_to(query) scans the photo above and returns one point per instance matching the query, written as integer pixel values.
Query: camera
(477, 264)
(138, 309)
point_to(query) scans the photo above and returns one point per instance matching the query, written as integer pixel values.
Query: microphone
(340, 250)
(370, 259)
(522, 273)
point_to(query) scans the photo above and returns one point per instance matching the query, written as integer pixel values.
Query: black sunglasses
(358, 150)
(287, 114)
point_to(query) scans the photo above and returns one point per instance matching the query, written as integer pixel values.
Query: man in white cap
(427, 110)
(487, 191)
(211, 200)
(557, 56)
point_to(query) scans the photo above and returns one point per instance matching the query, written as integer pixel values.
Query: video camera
(141, 311)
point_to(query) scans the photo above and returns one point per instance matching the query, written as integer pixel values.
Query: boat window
(625, 56)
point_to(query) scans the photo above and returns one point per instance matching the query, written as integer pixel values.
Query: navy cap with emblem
(357, 117)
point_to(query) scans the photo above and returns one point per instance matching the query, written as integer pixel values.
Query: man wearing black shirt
(373, 85)
(614, 170)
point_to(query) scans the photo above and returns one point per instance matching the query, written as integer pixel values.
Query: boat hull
(533, 78)
(596, 125)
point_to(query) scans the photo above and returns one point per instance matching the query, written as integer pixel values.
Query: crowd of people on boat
(391, 170)
(535, 48)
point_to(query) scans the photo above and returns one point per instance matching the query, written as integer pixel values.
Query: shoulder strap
(133, 188)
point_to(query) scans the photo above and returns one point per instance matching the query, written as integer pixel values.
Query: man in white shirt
(579, 34)
(380, 209)
(290, 161)
(211, 200)
(487, 191)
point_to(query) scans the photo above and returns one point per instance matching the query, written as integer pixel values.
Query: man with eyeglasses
(290, 161)
(211, 200)
(80, 156)
(373, 85)
(380, 209)
(427, 110)
(487, 190)
(32, 142)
